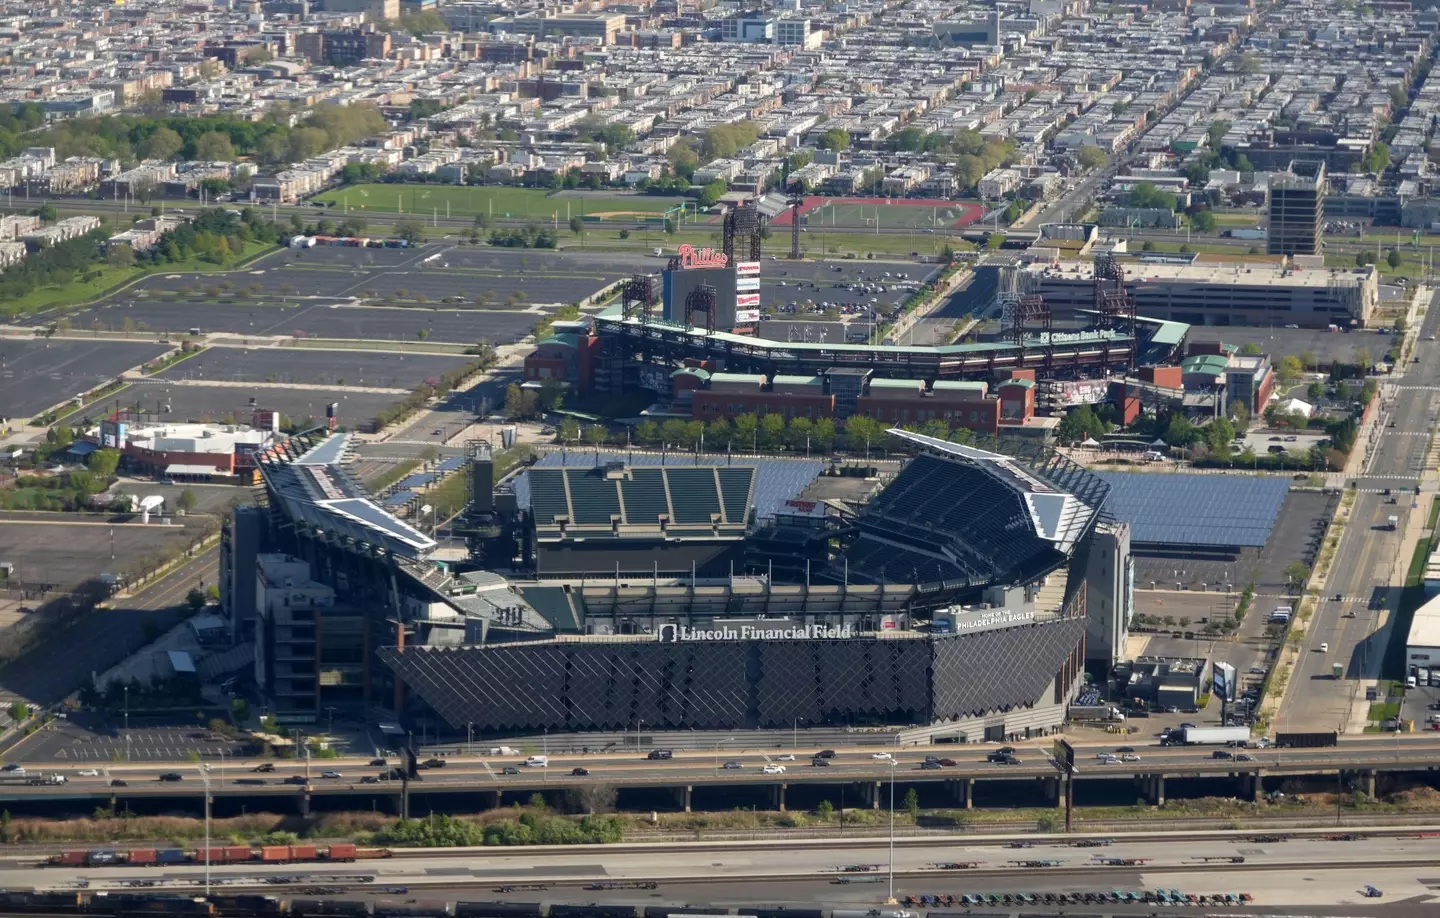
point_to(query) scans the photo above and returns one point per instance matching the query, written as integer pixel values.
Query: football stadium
(947, 595)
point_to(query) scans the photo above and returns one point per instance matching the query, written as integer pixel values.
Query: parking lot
(88, 740)
(59, 553)
(216, 403)
(1328, 347)
(38, 373)
(314, 366)
(315, 320)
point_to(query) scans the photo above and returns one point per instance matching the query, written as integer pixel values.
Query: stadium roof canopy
(961, 517)
(306, 479)
(775, 481)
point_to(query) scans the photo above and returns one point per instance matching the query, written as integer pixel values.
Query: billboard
(1222, 684)
(112, 435)
(677, 285)
(747, 284)
(1070, 393)
(747, 299)
(747, 316)
(747, 269)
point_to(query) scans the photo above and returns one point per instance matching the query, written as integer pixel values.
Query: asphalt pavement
(1369, 569)
(61, 664)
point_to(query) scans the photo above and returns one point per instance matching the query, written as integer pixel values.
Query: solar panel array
(450, 465)
(1215, 510)
(400, 498)
(418, 480)
(776, 480)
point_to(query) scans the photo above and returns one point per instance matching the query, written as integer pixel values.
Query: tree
(410, 230)
(1289, 369)
(617, 136)
(483, 221)
(772, 430)
(1240, 412)
(47, 213)
(569, 430)
(551, 396)
(103, 463)
(120, 256)
(514, 401)
(823, 436)
(1252, 349)
(19, 712)
(1296, 573)
(910, 140)
(1218, 434)
(1146, 194)
(669, 226)
(186, 500)
(1202, 221)
(1091, 157)
(863, 432)
(1315, 391)
(214, 147)
(747, 428)
(577, 226)
(163, 144)
(595, 434)
(1393, 259)
(835, 139)
(195, 600)
(912, 804)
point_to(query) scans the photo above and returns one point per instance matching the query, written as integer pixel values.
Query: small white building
(1422, 648)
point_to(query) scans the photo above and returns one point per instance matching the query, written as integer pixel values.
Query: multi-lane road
(723, 766)
(1369, 568)
(1302, 868)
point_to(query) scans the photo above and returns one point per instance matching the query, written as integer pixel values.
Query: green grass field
(81, 291)
(845, 216)
(500, 202)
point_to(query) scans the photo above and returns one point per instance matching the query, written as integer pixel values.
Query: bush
(441, 831)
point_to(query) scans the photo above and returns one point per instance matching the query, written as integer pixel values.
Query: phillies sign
(691, 257)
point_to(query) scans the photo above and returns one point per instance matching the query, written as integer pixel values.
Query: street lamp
(470, 739)
(892, 831)
(718, 743)
(205, 777)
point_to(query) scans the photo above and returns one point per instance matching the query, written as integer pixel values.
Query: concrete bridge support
(962, 791)
(1252, 785)
(870, 793)
(683, 796)
(302, 803)
(777, 798)
(1366, 782)
(1152, 788)
(1050, 789)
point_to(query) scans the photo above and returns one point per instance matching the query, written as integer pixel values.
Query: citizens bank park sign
(680, 634)
(691, 257)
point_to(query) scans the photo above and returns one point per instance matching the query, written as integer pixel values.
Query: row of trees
(271, 141)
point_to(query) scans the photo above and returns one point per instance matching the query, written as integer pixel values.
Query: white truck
(1197, 736)
(1108, 713)
(1392, 523)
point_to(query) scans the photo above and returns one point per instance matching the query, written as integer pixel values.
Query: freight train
(223, 854)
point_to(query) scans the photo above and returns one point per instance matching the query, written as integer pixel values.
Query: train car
(497, 910)
(304, 853)
(779, 911)
(419, 908)
(341, 852)
(325, 908)
(248, 906)
(169, 856)
(228, 854)
(141, 857)
(594, 911)
(74, 857)
(664, 911)
(18, 901)
(123, 905)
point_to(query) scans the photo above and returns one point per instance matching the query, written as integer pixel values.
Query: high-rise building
(1297, 209)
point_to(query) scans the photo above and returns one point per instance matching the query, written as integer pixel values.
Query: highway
(708, 768)
(1369, 567)
(1271, 869)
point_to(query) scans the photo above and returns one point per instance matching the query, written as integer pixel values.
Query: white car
(787, 757)
(334, 775)
(1129, 757)
(1324, 647)
(773, 769)
(88, 772)
(881, 756)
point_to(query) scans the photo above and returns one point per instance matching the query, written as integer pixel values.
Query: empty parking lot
(38, 373)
